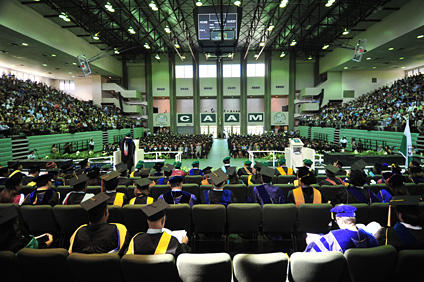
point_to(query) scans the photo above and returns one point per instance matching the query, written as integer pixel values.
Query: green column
(219, 98)
(243, 95)
(172, 93)
(196, 96)
(149, 90)
(292, 88)
(267, 96)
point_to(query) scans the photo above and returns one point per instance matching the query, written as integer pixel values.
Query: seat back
(408, 266)
(255, 267)
(27, 189)
(243, 218)
(279, 218)
(9, 264)
(192, 188)
(360, 261)
(202, 189)
(178, 217)
(317, 267)
(375, 188)
(239, 191)
(40, 219)
(204, 267)
(134, 219)
(378, 212)
(36, 259)
(123, 189)
(155, 178)
(286, 188)
(158, 190)
(149, 266)
(70, 217)
(286, 179)
(94, 189)
(63, 190)
(313, 218)
(197, 179)
(244, 178)
(362, 212)
(209, 218)
(91, 267)
(413, 189)
(115, 214)
(329, 192)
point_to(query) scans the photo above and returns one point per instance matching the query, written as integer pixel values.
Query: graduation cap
(129, 134)
(281, 161)
(207, 170)
(156, 210)
(143, 183)
(67, 169)
(34, 169)
(195, 164)
(81, 178)
(42, 180)
(267, 171)
(176, 179)
(218, 176)
(248, 162)
(121, 167)
(7, 214)
(83, 163)
(231, 170)
(93, 172)
(110, 176)
(95, 201)
(396, 179)
(53, 171)
(359, 165)
(168, 167)
(177, 164)
(226, 159)
(344, 211)
(331, 168)
(139, 165)
(307, 161)
(15, 165)
(405, 200)
(158, 166)
(306, 175)
(14, 180)
(144, 172)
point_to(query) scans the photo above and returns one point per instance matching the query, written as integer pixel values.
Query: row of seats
(241, 192)
(356, 265)
(286, 220)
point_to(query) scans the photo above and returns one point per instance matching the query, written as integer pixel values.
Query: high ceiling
(309, 22)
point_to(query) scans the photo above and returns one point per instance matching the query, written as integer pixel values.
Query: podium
(296, 153)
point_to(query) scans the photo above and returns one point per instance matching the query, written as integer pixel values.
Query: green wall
(5, 151)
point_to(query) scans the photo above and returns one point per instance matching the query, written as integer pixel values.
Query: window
(184, 71)
(255, 70)
(65, 85)
(207, 70)
(231, 70)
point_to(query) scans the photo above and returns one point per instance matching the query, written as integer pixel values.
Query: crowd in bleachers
(36, 108)
(385, 108)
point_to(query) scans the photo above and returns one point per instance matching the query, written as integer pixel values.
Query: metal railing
(252, 155)
(157, 158)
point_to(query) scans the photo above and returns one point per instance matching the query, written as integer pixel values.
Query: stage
(349, 159)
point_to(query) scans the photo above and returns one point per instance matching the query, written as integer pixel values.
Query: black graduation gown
(346, 197)
(99, 238)
(308, 194)
(395, 241)
(215, 197)
(112, 195)
(27, 179)
(42, 197)
(242, 171)
(146, 244)
(127, 156)
(337, 180)
(74, 198)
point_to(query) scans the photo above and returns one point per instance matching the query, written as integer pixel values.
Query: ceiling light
(237, 3)
(96, 36)
(167, 29)
(284, 3)
(402, 67)
(183, 57)
(310, 57)
(109, 7)
(116, 51)
(146, 45)
(24, 44)
(207, 56)
(64, 17)
(155, 8)
(346, 68)
(131, 30)
(199, 3)
(282, 55)
(368, 58)
(374, 67)
(230, 55)
(271, 27)
(262, 44)
(391, 49)
(44, 65)
(256, 56)
(330, 3)
(74, 64)
(345, 32)
(177, 45)
(53, 55)
(70, 72)
(325, 46)
(157, 57)
(152, 4)
(420, 36)
(401, 58)
(293, 43)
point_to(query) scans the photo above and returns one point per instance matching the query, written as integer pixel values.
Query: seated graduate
(138, 167)
(93, 176)
(123, 170)
(167, 172)
(44, 194)
(232, 176)
(84, 166)
(218, 195)
(177, 170)
(156, 240)
(110, 183)
(10, 193)
(305, 193)
(206, 179)
(267, 193)
(356, 192)
(142, 191)
(16, 167)
(98, 236)
(282, 169)
(195, 170)
(157, 169)
(177, 195)
(34, 172)
(408, 233)
(79, 195)
(347, 237)
(395, 187)
(55, 176)
(12, 239)
(4, 173)
(226, 162)
(342, 172)
(255, 177)
(416, 174)
(246, 169)
(332, 179)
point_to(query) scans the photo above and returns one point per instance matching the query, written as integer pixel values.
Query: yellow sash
(73, 238)
(132, 174)
(150, 200)
(249, 180)
(119, 199)
(300, 199)
(163, 244)
(281, 170)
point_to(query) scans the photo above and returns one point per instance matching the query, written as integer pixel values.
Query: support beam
(220, 98)
(292, 88)
(243, 95)
(196, 96)
(149, 91)
(172, 93)
(267, 96)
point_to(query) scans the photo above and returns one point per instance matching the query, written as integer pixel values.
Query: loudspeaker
(155, 110)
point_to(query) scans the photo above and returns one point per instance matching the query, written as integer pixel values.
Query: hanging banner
(256, 118)
(161, 119)
(232, 118)
(208, 118)
(279, 118)
(184, 119)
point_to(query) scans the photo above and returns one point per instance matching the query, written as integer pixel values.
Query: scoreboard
(210, 26)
